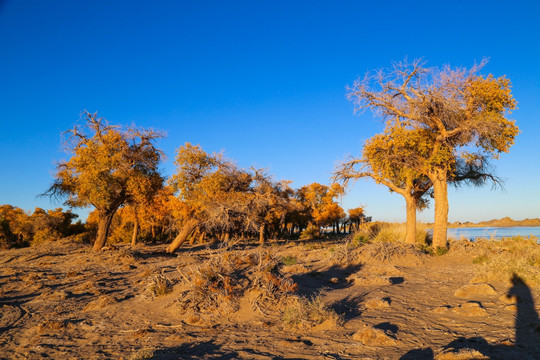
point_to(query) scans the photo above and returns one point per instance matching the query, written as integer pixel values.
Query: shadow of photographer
(527, 326)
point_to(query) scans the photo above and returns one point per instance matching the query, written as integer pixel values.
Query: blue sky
(265, 81)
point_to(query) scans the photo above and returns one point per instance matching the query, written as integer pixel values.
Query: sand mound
(509, 299)
(463, 354)
(100, 303)
(373, 336)
(377, 303)
(470, 309)
(473, 290)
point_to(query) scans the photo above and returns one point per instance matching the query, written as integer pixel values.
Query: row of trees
(19, 228)
(442, 126)
(115, 170)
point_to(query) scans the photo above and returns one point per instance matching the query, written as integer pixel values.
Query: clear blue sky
(263, 80)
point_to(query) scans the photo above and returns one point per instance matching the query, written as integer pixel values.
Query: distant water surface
(495, 232)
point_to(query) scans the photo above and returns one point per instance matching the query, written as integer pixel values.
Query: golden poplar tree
(464, 116)
(109, 167)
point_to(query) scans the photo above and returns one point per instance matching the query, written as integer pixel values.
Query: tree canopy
(109, 167)
(460, 115)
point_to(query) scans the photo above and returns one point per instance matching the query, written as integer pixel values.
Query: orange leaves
(319, 201)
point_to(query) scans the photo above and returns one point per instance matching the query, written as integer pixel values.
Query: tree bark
(440, 194)
(104, 224)
(261, 234)
(186, 230)
(201, 238)
(135, 232)
(193, 237)
(410, 232)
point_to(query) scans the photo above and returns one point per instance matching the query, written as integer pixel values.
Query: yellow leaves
(109, 166)
(319, 200)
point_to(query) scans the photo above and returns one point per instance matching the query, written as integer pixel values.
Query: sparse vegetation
(305, 313)
(288, 260)
(224, 278)
(159, 285)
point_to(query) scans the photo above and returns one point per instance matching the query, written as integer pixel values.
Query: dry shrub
(372, 336)
(100, 303)
(306, 313)
(59, 295)
(473, 290)
(377, 303)
(89, 286)
(343, 254)
(225, 277)
(51, 325)
(388, 252)
(463, 354)
(31, 278)
(501, 259)
(395, 233)
(470, 309)
(159, 285)
(142, 354)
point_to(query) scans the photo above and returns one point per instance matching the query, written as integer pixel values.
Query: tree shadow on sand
(207, 349)
(527, 325)
(333, 278)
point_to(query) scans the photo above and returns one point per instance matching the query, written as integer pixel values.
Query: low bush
(310, 233)
(302, 312)
(225, 277)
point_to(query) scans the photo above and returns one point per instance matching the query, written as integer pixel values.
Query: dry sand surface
(62, 301)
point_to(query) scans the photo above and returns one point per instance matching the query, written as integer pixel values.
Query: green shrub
(481, 259)
(288, 260)
(310, 233)
(440, 251)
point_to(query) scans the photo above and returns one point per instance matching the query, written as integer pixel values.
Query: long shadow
(527, 325)
(348, 307)
(331, 279)
(207, 349)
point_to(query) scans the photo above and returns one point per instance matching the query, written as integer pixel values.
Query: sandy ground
(62, 301)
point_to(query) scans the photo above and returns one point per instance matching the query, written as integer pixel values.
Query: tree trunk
(410, 232)
(135, 232)
(104, 224)
(440, 194)
(201, 238)
(186, 230)
(261, 234)
(193, 236)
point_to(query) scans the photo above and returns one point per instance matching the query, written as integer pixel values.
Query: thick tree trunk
(440, 194)
(186, 230)
(261, 234)
(104, 224)
(410, 232)
(135, 232)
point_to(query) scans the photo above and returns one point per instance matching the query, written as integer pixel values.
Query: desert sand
(62, 301)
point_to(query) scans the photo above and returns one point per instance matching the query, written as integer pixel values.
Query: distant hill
(506, 221)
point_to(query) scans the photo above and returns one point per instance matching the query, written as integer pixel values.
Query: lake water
(495, 232)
